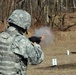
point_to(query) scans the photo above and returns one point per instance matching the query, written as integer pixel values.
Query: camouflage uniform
(16, 50)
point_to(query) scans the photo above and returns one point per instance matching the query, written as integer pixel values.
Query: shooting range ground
(66, 64)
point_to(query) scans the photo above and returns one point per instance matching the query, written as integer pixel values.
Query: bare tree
(46, 11)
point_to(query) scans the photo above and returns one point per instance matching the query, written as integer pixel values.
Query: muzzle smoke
(46, 33)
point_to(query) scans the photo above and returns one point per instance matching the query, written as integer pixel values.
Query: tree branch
(69, 27)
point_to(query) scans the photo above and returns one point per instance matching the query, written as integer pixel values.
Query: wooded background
(48, 12)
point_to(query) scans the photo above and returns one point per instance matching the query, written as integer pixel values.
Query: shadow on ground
(65, 66)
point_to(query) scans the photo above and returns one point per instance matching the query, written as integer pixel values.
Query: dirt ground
(66, 64)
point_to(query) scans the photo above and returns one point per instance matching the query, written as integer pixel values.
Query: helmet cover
(20, 18)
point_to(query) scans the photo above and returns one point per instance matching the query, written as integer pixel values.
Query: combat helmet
(20, 18)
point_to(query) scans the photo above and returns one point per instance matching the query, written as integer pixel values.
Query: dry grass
(66, 64)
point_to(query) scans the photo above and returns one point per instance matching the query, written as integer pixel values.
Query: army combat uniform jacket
(15, 52)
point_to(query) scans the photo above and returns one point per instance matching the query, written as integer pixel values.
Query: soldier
(15, 49)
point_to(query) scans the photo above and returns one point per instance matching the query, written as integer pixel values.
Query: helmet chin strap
(26, 30)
